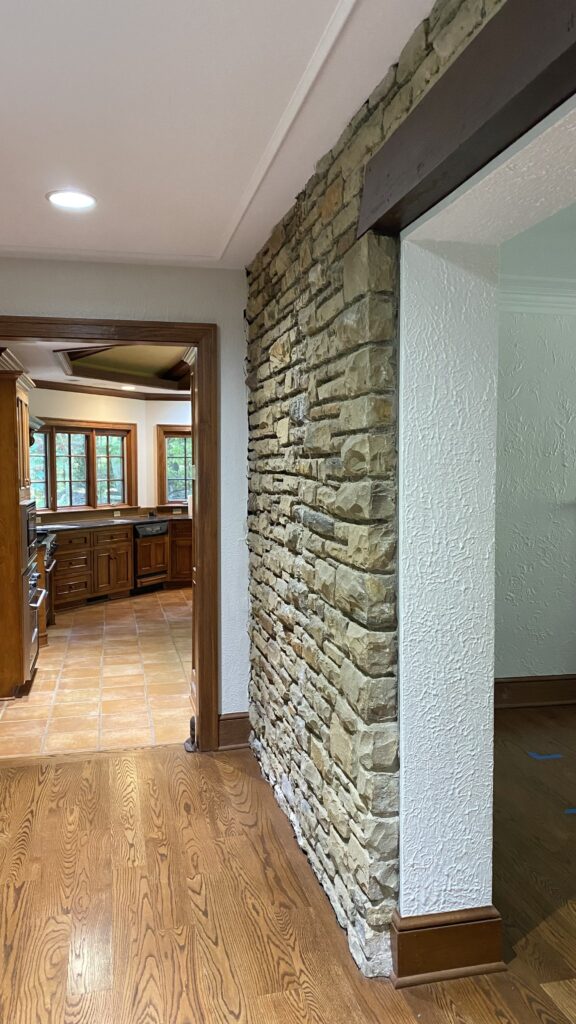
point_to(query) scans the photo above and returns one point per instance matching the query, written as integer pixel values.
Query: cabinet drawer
(112, 535)
(73, 539)
(73, 588)
(73, 562)
(181, 528)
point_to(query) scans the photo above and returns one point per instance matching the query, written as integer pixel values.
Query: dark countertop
(91, 524)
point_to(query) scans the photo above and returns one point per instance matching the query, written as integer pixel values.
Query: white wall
(536, 496)
(448, 369)
(105, 408)
(54, 288)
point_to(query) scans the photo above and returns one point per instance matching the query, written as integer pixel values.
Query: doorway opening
(128, 505)
(450, 322)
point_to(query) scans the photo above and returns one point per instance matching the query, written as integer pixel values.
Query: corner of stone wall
(321, 371)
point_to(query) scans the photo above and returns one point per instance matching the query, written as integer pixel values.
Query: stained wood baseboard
(439, 947)
(233, 730)
(534, 691)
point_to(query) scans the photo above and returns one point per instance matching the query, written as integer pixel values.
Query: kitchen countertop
(91, 524)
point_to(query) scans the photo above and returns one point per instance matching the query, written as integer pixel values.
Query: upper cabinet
(23, 435)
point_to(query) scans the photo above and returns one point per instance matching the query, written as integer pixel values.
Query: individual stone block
(412, 54)
(365, 597)
(370, 547)
(369, 455)
(364, 500)
(378, 746)
(370, 266)
(366, 412)
(371, 651)
(374, 699)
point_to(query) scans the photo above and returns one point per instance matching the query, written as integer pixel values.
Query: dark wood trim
(534, 691)
(517, 69)
(234, 730)
(141, 396)
(205, 419)
(164, 430)
(206, 537)
(123, 332)
(437, 947)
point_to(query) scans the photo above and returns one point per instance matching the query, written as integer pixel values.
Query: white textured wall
(105, 408)
(536, 496)
(55, 288)
(448, 370)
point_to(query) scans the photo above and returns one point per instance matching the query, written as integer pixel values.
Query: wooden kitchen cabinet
(112, 569)
(23, 436)
(152, 557)
(181, 551)
(93, 563)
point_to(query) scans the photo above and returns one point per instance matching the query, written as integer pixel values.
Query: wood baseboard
(233, 730)
(534, 691)
(439, 947)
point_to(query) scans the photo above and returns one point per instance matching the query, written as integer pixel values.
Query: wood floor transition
(158, 887)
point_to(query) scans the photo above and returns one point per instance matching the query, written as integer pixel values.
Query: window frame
(164, 431)
(91, 428)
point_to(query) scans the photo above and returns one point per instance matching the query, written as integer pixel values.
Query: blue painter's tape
(544, 757)
(570, 810)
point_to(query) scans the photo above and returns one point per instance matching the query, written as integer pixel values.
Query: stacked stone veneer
(322, 373)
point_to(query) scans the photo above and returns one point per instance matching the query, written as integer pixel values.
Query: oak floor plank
(563, 994)
(138, 994)
(125, 818)
(88, 1008)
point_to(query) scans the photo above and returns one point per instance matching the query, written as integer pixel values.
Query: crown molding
(9, 363)
(552, 295)
(317, 61)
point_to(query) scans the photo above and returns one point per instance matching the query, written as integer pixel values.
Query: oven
(28, 532)
(32, 598)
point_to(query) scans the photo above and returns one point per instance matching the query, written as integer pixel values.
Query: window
(84, 465)
(110, 478)
(39, 470)
(175, 468)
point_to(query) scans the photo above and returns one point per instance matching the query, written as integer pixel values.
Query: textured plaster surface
(448, 374)
(536, 496)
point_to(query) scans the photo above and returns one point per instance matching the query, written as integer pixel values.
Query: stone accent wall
(322, 367)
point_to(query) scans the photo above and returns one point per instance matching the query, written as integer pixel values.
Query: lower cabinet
(152, 556)
(96, 562)
(181, 551)
(104, 566)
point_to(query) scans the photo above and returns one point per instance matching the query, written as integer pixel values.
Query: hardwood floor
(158, 887)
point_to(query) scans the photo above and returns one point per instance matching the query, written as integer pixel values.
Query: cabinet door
(160, 554)
(103, 569)
(122, 567)
(23, 427)
(181, 558)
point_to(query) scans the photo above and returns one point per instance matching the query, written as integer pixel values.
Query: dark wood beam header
(519, 68)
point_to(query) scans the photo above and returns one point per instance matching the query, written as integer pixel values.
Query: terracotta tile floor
(115, 674)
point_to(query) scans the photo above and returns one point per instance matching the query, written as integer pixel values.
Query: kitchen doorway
(200, 340)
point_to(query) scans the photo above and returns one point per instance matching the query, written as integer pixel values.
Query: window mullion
(91, 468)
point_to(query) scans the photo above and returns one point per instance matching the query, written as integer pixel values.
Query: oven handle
(41, 598)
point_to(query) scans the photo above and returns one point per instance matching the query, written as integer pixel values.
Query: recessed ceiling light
(128, 387)
(71, 199)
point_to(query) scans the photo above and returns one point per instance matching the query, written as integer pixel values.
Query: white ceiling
(193, 122)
